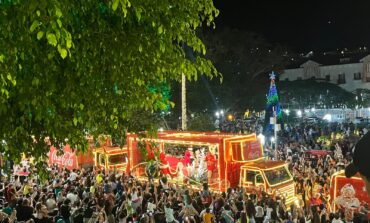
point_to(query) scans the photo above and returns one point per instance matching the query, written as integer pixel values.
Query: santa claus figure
(186, 161)
(348, 201)
(211, 164)
(165, 167)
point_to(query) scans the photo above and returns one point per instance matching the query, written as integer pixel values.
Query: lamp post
(183, 103)
(274, 122)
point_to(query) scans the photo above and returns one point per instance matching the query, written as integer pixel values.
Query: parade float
(221, 160)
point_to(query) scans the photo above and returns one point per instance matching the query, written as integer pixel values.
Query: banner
(252, 150)
(68, 159)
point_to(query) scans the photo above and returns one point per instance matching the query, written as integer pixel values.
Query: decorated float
(221, 160)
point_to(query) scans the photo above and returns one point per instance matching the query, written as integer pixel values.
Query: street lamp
(261, 137)
(217, 114)
(299, 113)
(327, 117)
(230, 117)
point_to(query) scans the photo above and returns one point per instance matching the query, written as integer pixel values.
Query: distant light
(230, 117)
(272, 139)
(222, 112)
(327, 117)
(192, 115)
(313, 109)
(306, 111)
(299, 113)
(217, 114)
(160, 129)
(261, 138)
(368, 109)
(287, 111)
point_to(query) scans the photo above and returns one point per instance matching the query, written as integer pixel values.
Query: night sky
(301, 25)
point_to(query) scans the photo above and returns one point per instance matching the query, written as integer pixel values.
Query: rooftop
(329, 58)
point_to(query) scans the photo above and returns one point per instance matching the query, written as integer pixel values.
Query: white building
(350, 71)
(336, 114)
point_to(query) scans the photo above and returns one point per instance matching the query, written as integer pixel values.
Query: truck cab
(272, 177)
(111, 158)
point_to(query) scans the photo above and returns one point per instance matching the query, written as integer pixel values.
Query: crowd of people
(98, 196)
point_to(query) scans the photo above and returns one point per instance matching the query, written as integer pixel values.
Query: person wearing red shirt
(10, 195)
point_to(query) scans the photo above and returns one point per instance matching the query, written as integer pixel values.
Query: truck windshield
(276, 176)
(118, 158)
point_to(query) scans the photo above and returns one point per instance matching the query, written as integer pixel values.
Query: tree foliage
(310, 93)
(201, 122)
(70, 68)
(244, 59)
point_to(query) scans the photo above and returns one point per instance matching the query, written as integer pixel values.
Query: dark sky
(301, 25)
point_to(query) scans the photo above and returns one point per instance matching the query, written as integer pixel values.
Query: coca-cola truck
(222, 160)
(106, 157)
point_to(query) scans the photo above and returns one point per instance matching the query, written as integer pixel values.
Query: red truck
(222, 160)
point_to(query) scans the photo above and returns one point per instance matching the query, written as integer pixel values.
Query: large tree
(244, 59)
(70, 68)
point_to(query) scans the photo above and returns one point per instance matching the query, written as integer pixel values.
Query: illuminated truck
(111, 158)
(222, 160)
(106, 157)
(348, 194)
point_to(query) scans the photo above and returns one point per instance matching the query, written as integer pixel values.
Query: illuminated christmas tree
(273, 106)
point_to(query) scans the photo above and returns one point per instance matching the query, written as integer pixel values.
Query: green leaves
(85, 68)
(52, 39)
(115, 4)
(58, 12)
(62, 52)
(34, 25)
(160, 29)
(40, 34)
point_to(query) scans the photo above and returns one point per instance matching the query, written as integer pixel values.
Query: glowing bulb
(327, 117)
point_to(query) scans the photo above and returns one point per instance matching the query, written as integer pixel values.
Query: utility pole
(183, 103)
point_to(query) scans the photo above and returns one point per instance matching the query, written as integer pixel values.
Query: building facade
(349, 71)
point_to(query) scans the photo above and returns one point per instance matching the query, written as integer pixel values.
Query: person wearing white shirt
(72, 196)
(259, 213)
(168, 212)
(73, 176)
(151, 206)
(336, 219)
(51, 204)
(268, 214)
